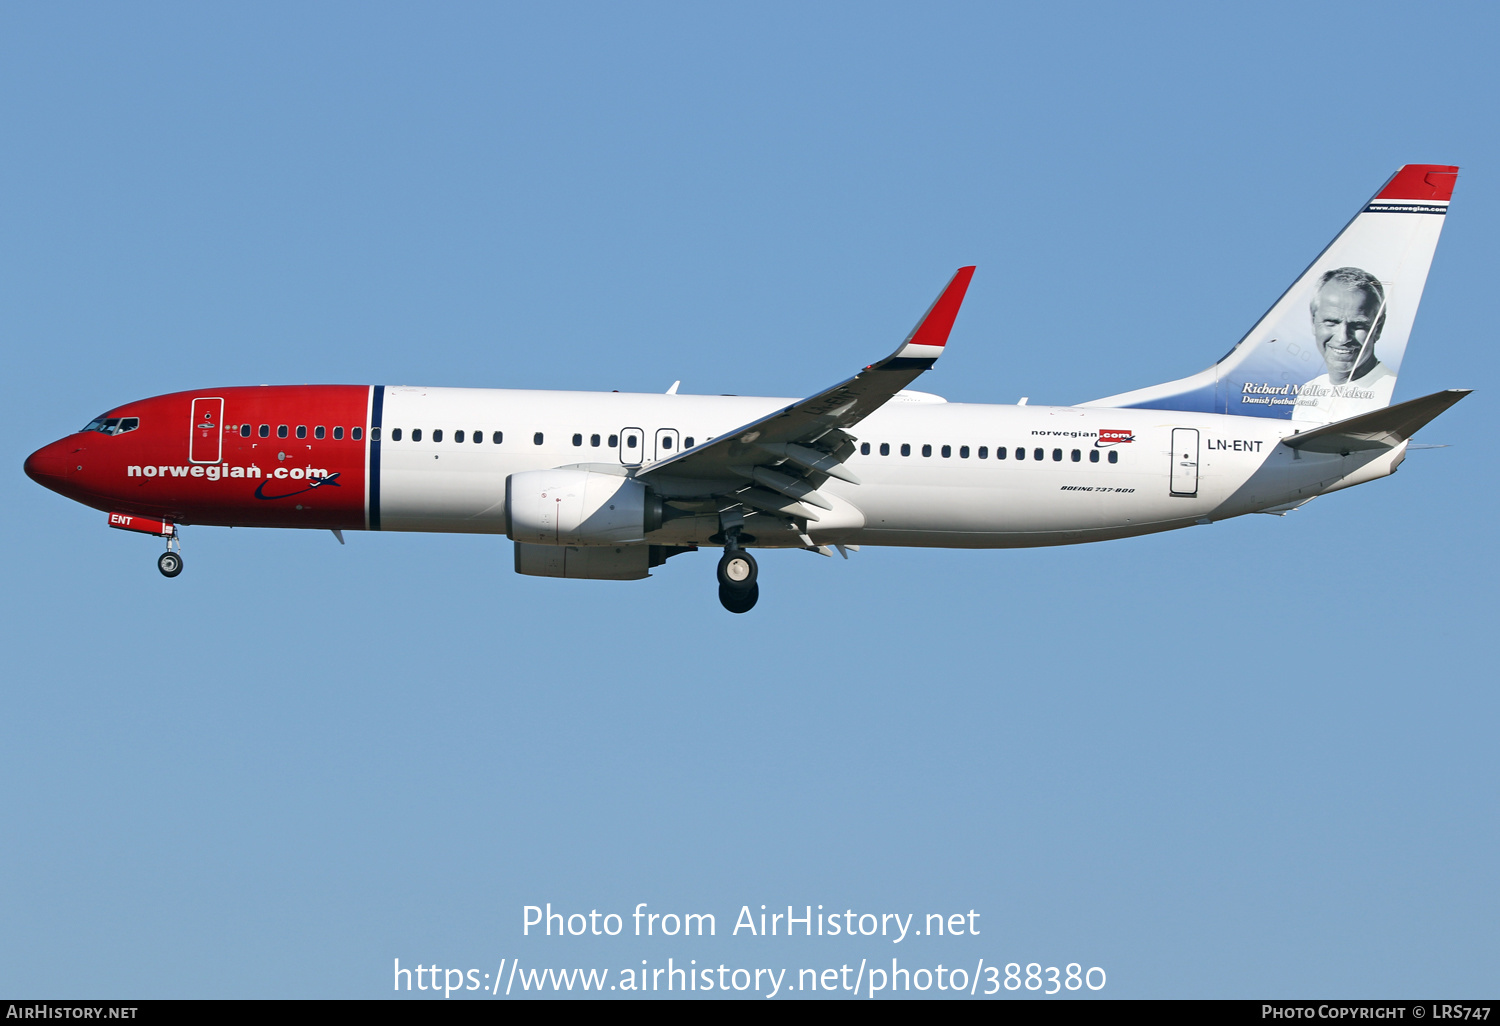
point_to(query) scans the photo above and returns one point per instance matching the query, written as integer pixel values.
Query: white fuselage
(1229, 466)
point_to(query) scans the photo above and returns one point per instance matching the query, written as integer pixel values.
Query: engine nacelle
(568, 506)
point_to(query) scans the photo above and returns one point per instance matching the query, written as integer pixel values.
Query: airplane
(607, 486)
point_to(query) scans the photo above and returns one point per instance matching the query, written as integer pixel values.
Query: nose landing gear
(170, 562)
(738, 590)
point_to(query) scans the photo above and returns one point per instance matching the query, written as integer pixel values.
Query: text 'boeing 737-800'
(605, 486)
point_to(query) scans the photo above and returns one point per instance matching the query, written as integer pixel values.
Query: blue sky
(1243, 760)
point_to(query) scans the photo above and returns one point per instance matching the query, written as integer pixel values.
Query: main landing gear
(738, 591)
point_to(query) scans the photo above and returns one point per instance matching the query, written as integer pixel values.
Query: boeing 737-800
(605, 486)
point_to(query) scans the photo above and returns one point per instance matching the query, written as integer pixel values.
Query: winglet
(927, 339)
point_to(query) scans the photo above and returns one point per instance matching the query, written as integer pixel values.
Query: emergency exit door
(1185, 462)
(632, 446)
(207, 437)
(667, 442)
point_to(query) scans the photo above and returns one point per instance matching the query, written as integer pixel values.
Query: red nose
(49, 466)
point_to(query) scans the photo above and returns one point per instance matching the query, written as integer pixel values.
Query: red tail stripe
(1421, 182)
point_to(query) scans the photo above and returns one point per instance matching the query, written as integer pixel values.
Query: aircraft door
(205, 445)
(667, 443)
(1185, 462)
(632, 446)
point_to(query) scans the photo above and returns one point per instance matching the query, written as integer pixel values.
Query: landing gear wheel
(739, 600)
(169, 563)
(737, 571)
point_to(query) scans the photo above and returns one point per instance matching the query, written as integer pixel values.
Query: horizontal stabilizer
(1382, 429)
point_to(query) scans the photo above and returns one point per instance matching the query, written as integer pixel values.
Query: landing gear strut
(738, 591)
(170, 562)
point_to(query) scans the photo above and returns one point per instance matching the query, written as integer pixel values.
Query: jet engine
(568, 506)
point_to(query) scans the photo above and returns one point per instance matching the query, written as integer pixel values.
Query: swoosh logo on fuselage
(260, 490)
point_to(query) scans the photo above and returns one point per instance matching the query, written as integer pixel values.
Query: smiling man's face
(1344, 325)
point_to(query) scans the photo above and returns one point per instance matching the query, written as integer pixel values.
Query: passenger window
(984, 452)
(666, 442)
(629, 441)
(1114, 457)
(905, 449)
(963, 452)
(1020, 453)
(1077, 455)
(947, 451)
(318, 432)
(437, 435)
(1093, 455)
(577, 439)
(594, 441)
(864, 448)
(338, 434)
(478, 437)
(416, 434)
(458, 436)
(885, 448)
(281, 431)
(301, 430)
(536, 439)
(374, 434)
(1038, 454)
(497, 437)
(244, 430)
(1057, 455)
(614, 440)
(395, 434)
(265, 431)
(358, 433)
(687, 443)
(926, 450)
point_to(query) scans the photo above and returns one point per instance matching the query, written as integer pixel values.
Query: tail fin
(1331, 346)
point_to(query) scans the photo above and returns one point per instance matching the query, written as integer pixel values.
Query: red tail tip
(1421, 182)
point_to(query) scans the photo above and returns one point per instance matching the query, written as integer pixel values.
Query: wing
(775, 464)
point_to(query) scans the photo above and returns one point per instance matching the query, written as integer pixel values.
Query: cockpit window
(113, 425)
